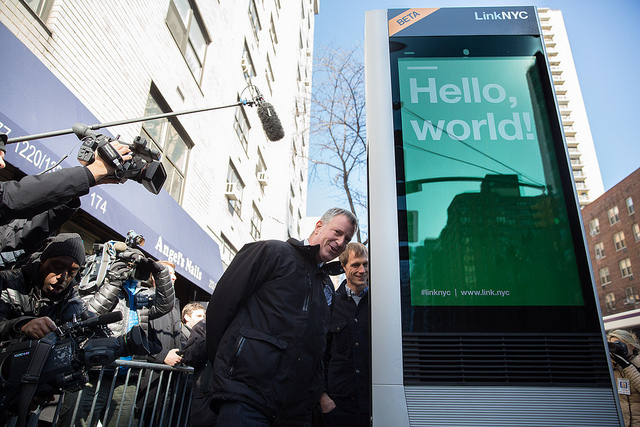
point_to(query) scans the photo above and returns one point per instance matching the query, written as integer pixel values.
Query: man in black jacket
(41, 295)
(266, 326)
(345, 402)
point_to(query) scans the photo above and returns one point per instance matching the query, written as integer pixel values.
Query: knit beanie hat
(65, 244)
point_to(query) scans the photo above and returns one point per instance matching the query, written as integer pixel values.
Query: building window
(636, 232)
(186, 26)
(614, 215)
(254, 19)
(599, 250)
(228, 251)
(248, 69)
(256, 223)
(625, 268)
(168, 137)
(604, 276)
(40, 8)
(234, 190)
(610, 301)
(594, 226)
(631, 296)
(629, 202)
(268, 73)
(261, 171)
(618, 240)
(242, 127)
(273, 34)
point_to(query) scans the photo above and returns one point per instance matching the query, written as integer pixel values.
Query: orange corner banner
(408, 18)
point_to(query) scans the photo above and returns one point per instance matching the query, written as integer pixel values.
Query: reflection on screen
(486, 216)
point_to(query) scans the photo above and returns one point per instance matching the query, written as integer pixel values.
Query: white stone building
(135, 58)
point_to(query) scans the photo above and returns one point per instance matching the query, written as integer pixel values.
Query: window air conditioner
(232, 191)
(262, 178)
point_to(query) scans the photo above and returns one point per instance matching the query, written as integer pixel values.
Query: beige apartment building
(584, 162)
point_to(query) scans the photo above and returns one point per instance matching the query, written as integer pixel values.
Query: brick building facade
(612, 228)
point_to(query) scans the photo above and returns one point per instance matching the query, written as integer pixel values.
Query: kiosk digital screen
(486, 209)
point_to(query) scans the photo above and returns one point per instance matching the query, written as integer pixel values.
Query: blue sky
(604, 40)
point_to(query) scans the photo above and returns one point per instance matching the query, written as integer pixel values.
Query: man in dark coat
(40, 296)
(266, 326)
(346, 401)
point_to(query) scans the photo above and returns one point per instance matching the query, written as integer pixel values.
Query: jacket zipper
(236, 353)
(307, 298)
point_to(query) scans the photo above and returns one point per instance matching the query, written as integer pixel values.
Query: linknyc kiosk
(484, 310)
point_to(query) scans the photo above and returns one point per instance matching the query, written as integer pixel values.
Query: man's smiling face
(332, 237)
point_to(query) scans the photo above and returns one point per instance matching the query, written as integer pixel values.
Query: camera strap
(32, 376)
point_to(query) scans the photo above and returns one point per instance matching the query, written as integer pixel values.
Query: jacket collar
(310, 252)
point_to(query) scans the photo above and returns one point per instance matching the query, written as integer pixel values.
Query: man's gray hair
(333, 212)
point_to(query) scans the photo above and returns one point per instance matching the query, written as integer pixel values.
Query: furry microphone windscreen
(270, 122)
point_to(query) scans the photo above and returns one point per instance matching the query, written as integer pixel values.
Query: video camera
(69, 351)
(119, 261)
(618, 348)
(144, 167)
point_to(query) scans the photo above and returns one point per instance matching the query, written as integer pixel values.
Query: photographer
(41, 295)
(124, 289)
(624, 349)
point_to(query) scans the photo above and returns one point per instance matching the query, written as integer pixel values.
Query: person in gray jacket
(139, 303)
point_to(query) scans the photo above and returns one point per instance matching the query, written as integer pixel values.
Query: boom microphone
(270, 121)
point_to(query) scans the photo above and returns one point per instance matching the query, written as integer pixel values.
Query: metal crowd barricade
(165, 393)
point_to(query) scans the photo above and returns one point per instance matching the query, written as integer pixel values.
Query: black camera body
(144, 167)
(70, 351)
(618, 347)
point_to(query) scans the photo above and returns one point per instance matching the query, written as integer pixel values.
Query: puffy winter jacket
(630, 403)
(110, 296)
(266, 326)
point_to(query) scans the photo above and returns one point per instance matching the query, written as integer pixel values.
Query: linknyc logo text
(501, 16)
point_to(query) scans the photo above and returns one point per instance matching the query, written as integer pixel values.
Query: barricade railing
(129, 393)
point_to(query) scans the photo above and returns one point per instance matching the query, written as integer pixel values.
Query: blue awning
(33, 100)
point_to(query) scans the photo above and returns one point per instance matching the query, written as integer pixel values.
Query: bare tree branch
(339, 147)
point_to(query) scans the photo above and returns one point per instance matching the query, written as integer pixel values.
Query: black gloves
(145, 265)
(119, 270)
(620, 360)
(618, 352)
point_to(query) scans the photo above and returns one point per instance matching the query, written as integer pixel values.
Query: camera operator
(36, 206)
(41, 295)
(624, 349)
(124, 289)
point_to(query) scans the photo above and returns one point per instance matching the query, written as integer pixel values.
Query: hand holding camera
(141, 165)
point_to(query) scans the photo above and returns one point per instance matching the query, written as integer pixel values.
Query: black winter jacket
(347, 360)
(21, 300)
(266, 326)
(34, 194)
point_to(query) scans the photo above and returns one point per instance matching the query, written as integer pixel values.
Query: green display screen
(486, 214)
